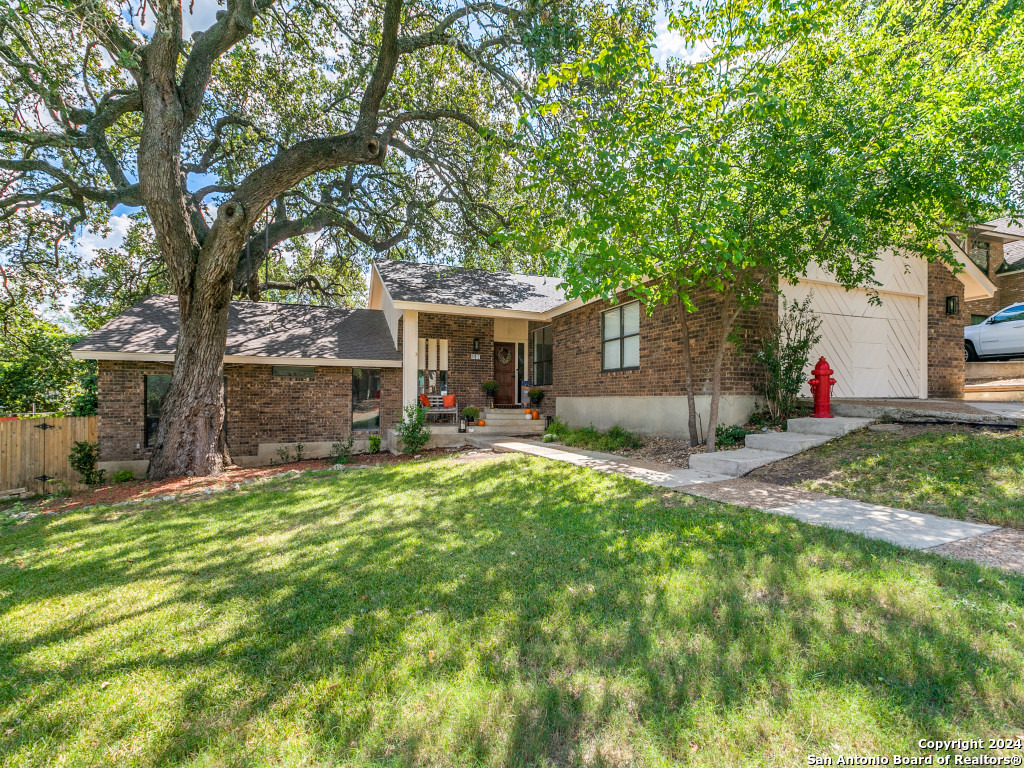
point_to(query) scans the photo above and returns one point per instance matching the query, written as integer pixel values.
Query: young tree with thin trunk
(376, 120)
(805, 133)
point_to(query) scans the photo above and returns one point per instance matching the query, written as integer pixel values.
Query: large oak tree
(378, 121)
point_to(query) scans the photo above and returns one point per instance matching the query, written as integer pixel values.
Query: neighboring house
(997, 249)
(315, 375)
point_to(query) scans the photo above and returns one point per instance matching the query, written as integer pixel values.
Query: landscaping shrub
(83, 458)
(471, 412)
(733, 434)
(615, 439)
(341, 451)
(536, 394)
(374, 443)
(123, 476)
(783, 356)
(413, 431)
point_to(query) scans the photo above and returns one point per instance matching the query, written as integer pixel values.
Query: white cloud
(670, 44)
(89, 241)
(202, 16)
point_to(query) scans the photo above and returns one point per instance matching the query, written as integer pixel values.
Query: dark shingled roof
(455, 286)
(1013, 252)
(255, 329)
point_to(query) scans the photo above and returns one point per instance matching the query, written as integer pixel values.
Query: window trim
(621, 338)
(550, 361)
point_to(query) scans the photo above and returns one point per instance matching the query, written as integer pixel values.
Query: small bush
(615, 439)
(471, 412)
(413, 431)
(284, 454)
(341, 451)
(536, 394)
(374, 443)
(784, 355)
(83, 458)
(489, 386)
(298, 451)
(123, 476)
(729, 435)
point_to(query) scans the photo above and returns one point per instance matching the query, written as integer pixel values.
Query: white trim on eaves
(153, 357)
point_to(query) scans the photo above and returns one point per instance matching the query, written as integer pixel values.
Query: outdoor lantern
(476, 345)
(952, 305)
(462, 424)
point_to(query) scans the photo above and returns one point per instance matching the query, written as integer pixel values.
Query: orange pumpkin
(527, 411)
(481, 423)
(536, 414)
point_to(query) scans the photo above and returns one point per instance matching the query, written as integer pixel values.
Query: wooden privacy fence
(33, 448)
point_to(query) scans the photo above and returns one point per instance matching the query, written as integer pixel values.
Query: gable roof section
(258, 332)
(412, 283)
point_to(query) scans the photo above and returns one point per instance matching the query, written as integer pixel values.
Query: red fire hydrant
(821, 389)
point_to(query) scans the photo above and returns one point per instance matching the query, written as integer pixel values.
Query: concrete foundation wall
(664, 416)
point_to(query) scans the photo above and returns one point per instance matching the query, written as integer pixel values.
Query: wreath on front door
(504, 356)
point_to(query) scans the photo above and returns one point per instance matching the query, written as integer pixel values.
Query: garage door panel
(873, 349)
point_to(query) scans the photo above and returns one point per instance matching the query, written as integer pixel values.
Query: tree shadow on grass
(509, 613)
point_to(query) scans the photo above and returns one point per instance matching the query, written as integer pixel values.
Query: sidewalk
(913, 530)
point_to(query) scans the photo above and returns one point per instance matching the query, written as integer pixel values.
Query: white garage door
(876, 350)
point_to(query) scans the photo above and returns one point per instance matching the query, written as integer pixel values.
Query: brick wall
(577, 352)
(261, 408)
(464, 373)
(945, 334)
(120, 413)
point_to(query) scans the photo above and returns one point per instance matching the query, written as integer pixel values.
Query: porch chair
(438, 409)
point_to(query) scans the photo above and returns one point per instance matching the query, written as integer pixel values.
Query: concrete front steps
(765, 447)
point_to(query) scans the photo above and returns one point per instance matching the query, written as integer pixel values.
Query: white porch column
(410, 348)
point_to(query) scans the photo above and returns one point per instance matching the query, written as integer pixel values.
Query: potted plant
(536, 394)
(489, 386)
(471, 412)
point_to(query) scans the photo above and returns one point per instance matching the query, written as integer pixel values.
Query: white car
(1001, 335)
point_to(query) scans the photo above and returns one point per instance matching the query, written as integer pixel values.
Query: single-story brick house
(315, 375)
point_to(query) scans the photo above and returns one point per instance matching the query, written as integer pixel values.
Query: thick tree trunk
(730, 311)
(691, 400)
(190, 439)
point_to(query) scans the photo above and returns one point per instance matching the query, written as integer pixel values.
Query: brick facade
(1009, 287)
(261, 408)
(945, 334)
(464, 373)
(577, 352)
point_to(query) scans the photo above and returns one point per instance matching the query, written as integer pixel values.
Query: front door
(505, 373)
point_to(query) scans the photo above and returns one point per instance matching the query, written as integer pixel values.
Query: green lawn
(509, 612)
(948, 471)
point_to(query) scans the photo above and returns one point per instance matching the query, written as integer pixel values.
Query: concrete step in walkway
(765, 447)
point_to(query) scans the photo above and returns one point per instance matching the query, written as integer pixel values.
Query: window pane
(365, 398)
(156, 390)
(611, 355)
(548, 336)
(611, 324)
(631, 352)
(631, 318)
(293, 371)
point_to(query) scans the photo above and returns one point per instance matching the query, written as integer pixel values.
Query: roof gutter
(162, 357)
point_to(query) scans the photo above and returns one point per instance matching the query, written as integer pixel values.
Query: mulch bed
(667, 450)
(142, 490)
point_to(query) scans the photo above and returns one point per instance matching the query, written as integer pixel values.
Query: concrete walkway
(1012, 411)
(913, 530)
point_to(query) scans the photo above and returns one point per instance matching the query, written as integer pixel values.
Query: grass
(496, 613)
(953, 472)
(591, 439)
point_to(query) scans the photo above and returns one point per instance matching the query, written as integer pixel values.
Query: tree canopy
(806, 132)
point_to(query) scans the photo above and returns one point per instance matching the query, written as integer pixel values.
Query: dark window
(980, 254)
(620, 337)
(294, 371)
(365, 398)
(978, 319)
(543, 353)
(155, 391)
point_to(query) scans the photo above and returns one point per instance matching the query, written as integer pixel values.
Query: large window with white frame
(620, 337)
(543, 354)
